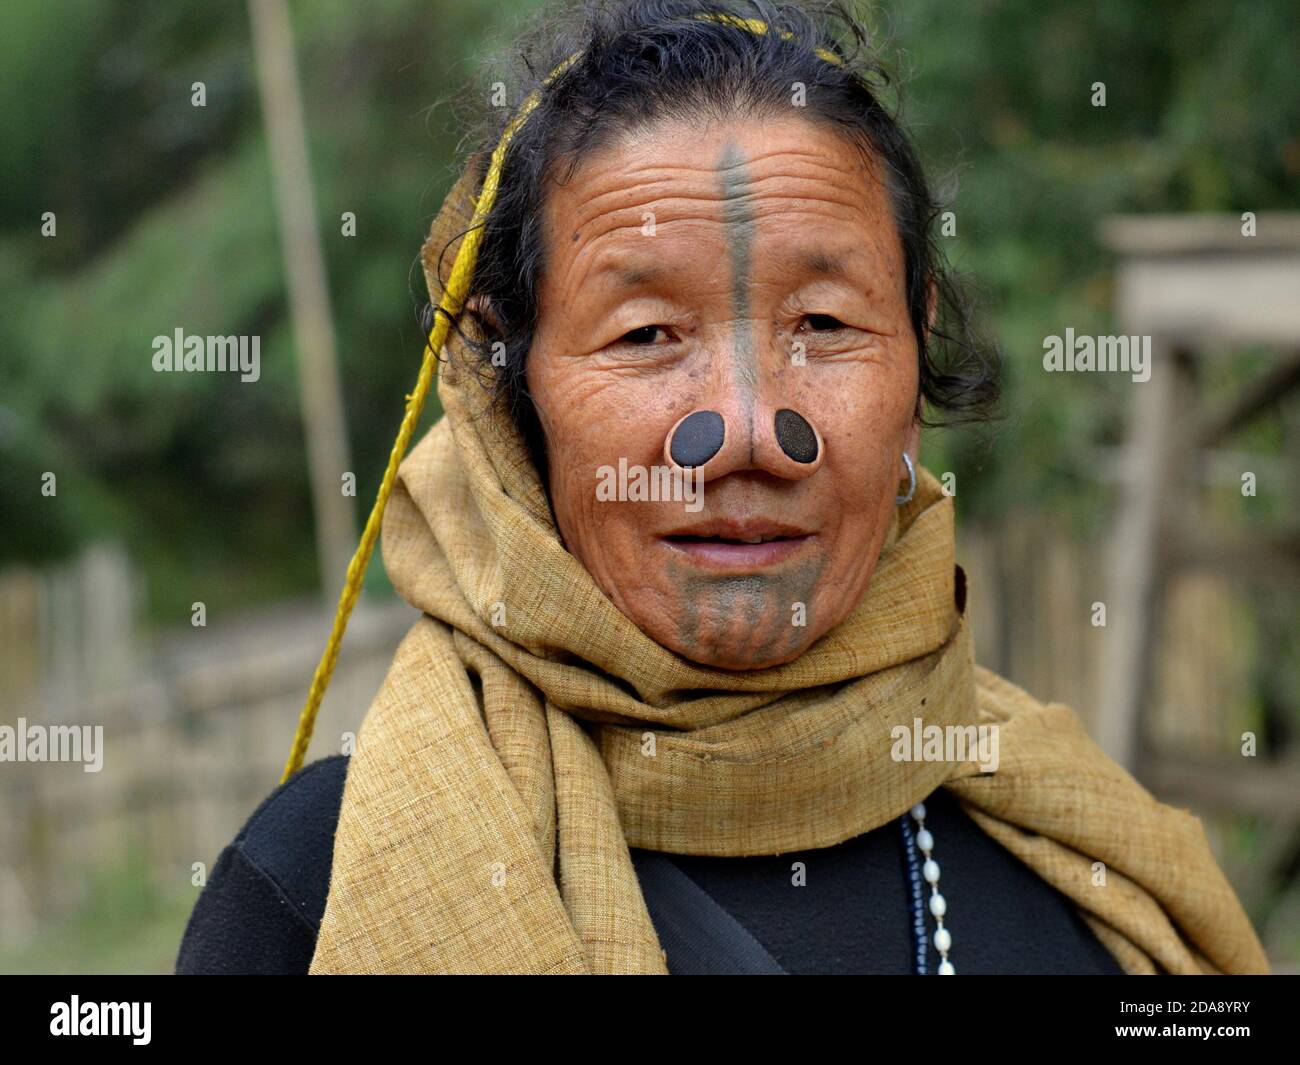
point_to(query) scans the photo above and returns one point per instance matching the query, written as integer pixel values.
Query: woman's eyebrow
(639, 275)
(821, 262)
(628, 274)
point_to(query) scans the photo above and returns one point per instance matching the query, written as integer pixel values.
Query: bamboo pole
(309, 301)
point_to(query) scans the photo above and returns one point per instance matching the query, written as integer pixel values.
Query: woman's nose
(782, 442)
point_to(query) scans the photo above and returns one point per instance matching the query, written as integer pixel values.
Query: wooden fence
(193, 737)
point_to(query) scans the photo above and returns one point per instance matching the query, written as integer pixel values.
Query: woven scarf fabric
(527, 733)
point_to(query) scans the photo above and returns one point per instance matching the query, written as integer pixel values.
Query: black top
(844, 909)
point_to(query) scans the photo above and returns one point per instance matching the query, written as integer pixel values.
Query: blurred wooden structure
(1191, 283)
(196, 724)
(1202, 287)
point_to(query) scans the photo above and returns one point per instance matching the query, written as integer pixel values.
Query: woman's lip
(720, 555)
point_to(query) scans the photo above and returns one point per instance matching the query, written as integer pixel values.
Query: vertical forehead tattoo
(738, 222)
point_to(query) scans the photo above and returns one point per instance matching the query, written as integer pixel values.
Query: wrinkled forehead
(784, 186)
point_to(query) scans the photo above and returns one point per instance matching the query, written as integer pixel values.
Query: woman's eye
(824, 322)
(644, 335)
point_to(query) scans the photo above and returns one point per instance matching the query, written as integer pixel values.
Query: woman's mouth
(738, 545)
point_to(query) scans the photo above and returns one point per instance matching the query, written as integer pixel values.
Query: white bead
(938, 904)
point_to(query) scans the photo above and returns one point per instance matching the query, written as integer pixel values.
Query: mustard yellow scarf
(527, 733)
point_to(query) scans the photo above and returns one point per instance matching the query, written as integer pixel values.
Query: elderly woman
(692, 687)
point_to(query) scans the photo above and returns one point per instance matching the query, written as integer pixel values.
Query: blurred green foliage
(165, 219)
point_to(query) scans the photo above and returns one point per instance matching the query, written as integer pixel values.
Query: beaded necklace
(927, 871)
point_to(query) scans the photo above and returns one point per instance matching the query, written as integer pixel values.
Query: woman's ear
(480, 307)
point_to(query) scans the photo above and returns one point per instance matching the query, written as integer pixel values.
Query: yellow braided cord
(755, 25)
(462, 271)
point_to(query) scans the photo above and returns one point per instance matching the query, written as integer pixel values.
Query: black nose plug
(796, 437)
(697, 438)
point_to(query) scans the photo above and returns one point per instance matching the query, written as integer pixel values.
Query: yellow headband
(453, 300)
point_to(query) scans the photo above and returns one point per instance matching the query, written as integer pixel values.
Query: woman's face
(742, 270)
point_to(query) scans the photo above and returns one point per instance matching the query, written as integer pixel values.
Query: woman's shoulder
(297, 819)
(261, 908)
